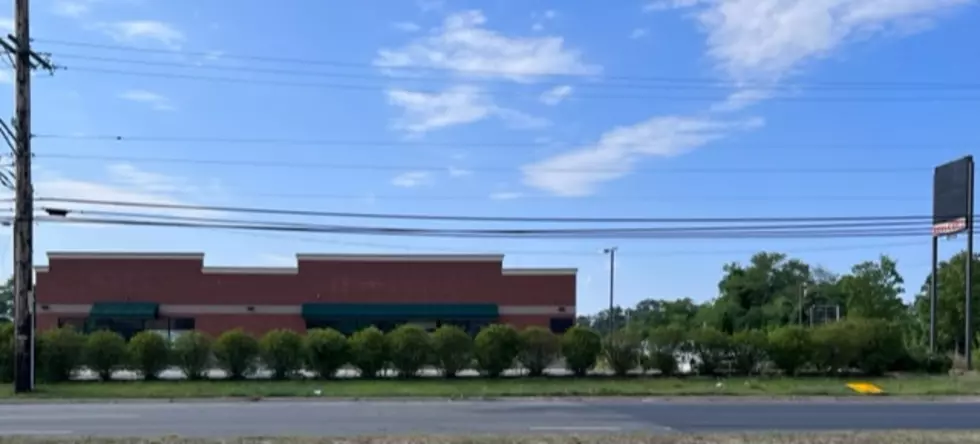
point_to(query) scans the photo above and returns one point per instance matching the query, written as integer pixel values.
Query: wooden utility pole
(24, 209)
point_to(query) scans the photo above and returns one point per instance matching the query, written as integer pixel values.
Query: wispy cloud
(761, 42)
(72, 8)
(423, 112)
(579, 172)
(154, 100)
(556, 95)
(638, 33)
(127, 183)
(458, 172)
(136, 31)
(406, 26)
(412, 179)
(506, 195)
(465, 46)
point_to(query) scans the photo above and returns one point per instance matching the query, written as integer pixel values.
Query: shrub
(920, 359)
(282, 352)
(834, 347)
(149, 353)
(6, 352)
(59, 353)
(104, 353)
(539, 348)
(790, 348)
(713, 349)
(327, 351)
(410, 349)
(581, 347)
(621, 350)
(749, 351)
(452, 350)
(369, 352)
(236, 352)
(192, 353)
(496, 347)
(663, 345)
(880, 345)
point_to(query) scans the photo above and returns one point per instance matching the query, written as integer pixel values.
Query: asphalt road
(300, 418)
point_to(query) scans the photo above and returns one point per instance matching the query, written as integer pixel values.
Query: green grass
(477, 388)
(893, 437)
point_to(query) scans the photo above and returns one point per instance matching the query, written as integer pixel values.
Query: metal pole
(612, 287)
(24, 208)
(933, 287)
(968, 306)
(800, 308)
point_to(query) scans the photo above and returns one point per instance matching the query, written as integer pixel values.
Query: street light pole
(612, 286)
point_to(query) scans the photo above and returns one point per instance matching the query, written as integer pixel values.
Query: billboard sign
(951, 196)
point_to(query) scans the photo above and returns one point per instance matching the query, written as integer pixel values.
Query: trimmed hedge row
(866, 347)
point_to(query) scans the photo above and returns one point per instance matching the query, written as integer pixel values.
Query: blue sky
(445, 99)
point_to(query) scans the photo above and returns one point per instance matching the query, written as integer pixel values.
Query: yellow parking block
(865, 388)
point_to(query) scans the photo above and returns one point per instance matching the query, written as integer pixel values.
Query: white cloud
(72, 8)
(742, 99)
(506, 195)
(6, 24)
(144, 30)
(463, 45)
(579, 172)
(154, 100)
(556, 95)
(407, 26)
(412, 179)
(768, 39)
(660, 5)
(422, 112)
(638, 33)
(430, 5)
(126, 183)
(458, 172)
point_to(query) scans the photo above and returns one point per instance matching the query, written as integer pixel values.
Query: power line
(516, 234)
(456, 218)
(505, 197)
(377, 88)
(284, 141)
(345, 64)
(485, 169)
(660, 83)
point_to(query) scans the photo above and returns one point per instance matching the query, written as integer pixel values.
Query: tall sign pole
(952, 213)
(24, 208)
(612, 286)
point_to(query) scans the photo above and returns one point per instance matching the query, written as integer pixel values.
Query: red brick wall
(181, 281)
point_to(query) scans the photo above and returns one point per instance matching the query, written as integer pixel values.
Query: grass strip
(516, 387)
(893, 437)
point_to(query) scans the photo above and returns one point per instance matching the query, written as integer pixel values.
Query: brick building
(175, 292)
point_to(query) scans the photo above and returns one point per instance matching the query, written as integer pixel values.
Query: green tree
(762, 295)
(7, 299)
(950, 305)
(873, 290)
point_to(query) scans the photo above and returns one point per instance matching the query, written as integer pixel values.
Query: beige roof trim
(540, 271)
(401, 258)
(250, 270)
(123, 255)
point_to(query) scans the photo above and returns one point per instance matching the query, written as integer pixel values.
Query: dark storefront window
(350, 318)
(169, 328)
(561, 325)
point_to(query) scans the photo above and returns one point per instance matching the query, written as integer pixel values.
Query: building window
(561, 325)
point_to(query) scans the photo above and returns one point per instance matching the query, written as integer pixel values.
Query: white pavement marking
(576, 429)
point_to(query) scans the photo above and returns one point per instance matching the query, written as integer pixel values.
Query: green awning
(400, 311)
(127, 310)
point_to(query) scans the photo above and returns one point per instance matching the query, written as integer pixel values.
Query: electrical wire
(457, 218)
(343, 144)
(484, 169)
(661, 83)
(279, 61)
(378, 88)
(557, 232)
(812, 234)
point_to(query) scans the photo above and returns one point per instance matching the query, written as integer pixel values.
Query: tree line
(766, 293)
